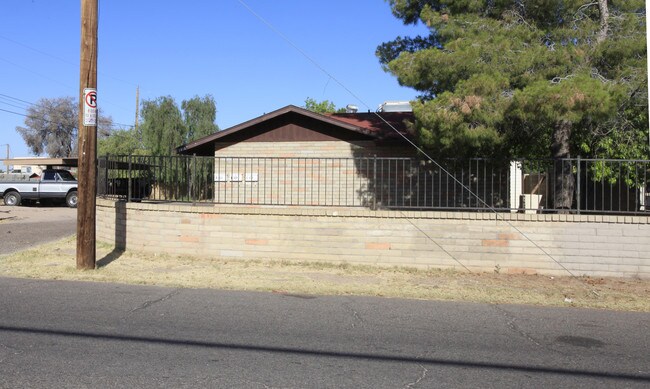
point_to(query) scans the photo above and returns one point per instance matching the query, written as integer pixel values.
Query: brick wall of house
(540, 243)
(308, 173)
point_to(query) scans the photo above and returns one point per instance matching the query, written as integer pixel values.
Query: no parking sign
(90, 107)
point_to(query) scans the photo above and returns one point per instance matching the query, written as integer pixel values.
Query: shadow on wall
(412, 182)
(120, 235)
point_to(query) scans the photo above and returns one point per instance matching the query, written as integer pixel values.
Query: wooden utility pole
(87, 137)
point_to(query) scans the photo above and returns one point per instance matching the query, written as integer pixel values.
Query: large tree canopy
(51, 127)
(199, 115)
(165, 126)
(526, 78)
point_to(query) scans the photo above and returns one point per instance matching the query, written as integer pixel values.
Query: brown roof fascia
(203, 142)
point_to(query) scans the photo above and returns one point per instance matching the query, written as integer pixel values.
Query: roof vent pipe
(350, 108)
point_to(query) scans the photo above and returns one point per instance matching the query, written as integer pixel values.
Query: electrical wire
(419, 149)
(11, 105)
(17, 99)
(114, 126)
(63, 61)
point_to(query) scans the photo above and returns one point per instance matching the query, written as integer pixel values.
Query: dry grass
(57, 261)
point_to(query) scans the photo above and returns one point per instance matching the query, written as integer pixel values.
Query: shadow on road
(336, 354)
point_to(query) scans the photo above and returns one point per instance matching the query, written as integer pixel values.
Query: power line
(114, 125)
(36, 73)
(68, 63)
(445, 171)
(65, 61)
(17, 99)
(15, 113)
(11, 105)
(35, 104)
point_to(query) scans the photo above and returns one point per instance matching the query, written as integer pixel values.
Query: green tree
(163, 128)
(52, 127)
(121, 142)
(321, 107)
(529, 78)
(199, 115)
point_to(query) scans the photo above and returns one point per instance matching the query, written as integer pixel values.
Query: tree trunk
(563, 182)
(604, 21)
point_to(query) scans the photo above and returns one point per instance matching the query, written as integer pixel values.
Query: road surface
(24, 226)
(57, 334)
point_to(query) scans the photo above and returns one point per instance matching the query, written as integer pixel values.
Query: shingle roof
(384, 125)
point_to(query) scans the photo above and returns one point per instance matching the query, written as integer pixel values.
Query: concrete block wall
(593, 245)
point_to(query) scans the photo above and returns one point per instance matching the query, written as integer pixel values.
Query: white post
(516, 185)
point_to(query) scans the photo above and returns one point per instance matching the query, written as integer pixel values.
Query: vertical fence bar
(645, 187)
(193, 180)
(578, 184)
(635, 187)
(374, 180)
(245, 180)
(129, 190)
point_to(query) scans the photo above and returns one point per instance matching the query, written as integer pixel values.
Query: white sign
(90, 107)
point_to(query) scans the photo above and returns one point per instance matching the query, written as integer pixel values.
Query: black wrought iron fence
(571, 185)
(136, 178)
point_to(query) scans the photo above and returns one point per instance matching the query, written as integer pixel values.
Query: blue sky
(198, 47)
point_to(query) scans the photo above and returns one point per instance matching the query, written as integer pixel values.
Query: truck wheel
(71, 199)
(12, 198)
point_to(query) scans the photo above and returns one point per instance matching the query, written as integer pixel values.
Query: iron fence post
(578, 186)
(374, 182)
(192, 186)
(106, 170)
(129, 189)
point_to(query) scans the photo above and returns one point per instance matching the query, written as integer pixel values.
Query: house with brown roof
(295, 156)
(296, 132)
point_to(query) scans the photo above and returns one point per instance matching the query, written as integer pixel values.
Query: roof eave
(187, 148)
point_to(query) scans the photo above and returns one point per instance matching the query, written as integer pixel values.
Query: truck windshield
(66, 175)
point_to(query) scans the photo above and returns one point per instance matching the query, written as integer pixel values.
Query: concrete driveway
(24, 226)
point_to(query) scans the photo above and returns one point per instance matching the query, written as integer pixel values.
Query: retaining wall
(593, 245)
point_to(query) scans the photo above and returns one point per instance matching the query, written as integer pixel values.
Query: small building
(296, 156)
(296, 132)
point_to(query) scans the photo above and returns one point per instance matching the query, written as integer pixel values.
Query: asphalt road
(24, 226)
(70, 334)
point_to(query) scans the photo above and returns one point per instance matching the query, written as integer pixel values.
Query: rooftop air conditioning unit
(395, 106)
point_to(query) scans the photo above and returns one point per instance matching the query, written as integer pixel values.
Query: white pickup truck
(52, 185)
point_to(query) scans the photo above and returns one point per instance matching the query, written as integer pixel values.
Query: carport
(49, 163)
